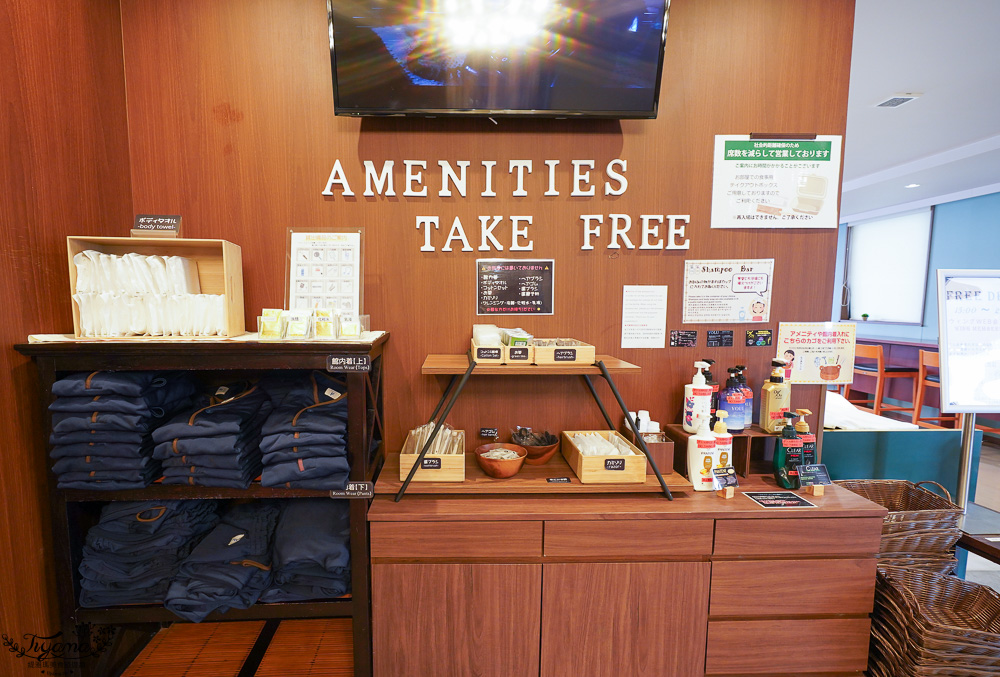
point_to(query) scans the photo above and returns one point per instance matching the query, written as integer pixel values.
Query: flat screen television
(550, 58)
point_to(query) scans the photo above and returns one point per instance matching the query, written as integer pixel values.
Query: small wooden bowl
(498, 468)
(541, 455)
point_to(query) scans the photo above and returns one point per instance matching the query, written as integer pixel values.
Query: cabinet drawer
(456, 539)
(633, 539)
(789, 646)
(771, 587)
(816, 536)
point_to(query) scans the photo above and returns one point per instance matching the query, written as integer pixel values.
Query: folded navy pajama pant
(230, 567)
(312, 554)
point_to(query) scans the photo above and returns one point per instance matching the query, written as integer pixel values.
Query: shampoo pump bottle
(775, 396)
(787, 455)
(701, 457)
(747, 393)
(714, 385)
(697, 400)
(808, 438)
(723, 442)
(732, 401)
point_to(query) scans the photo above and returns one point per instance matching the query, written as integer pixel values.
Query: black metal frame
(593, 391)
(70, 508)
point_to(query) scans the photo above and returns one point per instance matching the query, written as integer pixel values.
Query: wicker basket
(908, 502)
(932, 541)
(937, 563)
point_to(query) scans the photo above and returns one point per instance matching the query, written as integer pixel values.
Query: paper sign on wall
(644, 316)
(727, 291)
(819, 352)
(775, 183)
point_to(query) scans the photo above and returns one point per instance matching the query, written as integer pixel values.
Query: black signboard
(343, 362)
(157, 222)
(517, 354)
(683, 338)
(614, 464)
(724, 477)
(811, 475)
(514, 287)
(719, 338)
(489, 433)
(355, 490)
(757, 338)
(431, 464)
(557, 480)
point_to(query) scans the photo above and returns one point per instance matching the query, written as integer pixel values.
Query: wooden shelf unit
(73, 510)
(747, 445)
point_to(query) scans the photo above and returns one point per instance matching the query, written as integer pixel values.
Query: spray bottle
(697, 400)
(732, 401)
(787, 455)
(808, 438)
(723, 442)
(775, 396)
(701, 457)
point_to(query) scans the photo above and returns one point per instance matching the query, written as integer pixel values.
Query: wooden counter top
(837, 502)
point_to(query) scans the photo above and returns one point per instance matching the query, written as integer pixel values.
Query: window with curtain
(887, 267)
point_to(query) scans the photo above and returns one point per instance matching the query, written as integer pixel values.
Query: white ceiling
(948, 139)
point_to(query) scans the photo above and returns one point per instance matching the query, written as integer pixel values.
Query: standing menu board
(514, 287)
(969, 343)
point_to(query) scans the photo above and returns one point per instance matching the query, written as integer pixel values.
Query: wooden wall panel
(231, 124)
(63, 171)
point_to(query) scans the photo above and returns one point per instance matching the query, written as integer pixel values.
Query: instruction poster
(817, 352)
(969, 327)
(325, 271)
(775, 183)
(727, 291)
(644, 316)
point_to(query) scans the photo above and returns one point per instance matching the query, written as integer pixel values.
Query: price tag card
(811, 475)
(557, 480)
(724, 477)
(778, 499)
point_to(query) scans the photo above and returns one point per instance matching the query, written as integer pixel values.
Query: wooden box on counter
(662, 453)
(436, 467)
(604, 469)
(220, 269)
(577, 353)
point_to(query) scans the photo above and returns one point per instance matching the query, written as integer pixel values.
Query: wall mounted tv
(550, 58)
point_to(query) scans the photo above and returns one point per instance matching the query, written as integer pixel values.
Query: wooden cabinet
(456, 620)
(645, 619)
(572, 586)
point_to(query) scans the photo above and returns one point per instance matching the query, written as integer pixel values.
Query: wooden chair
(872, 363)
(928, 376)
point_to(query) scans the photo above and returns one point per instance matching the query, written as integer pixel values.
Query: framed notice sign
(326, 270)
(969, 340)
(514, 287)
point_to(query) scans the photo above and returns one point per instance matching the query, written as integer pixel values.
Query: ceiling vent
(897, 100)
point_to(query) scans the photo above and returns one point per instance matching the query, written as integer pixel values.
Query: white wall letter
(520, 166)
(649, 231)
(414, 177)
(674, 231)
(488, 185)
(581, 178)
(383, 181)
(427, 221)
(447, 173)
(457, 233)
(617, 231)
(516, 232)
(337, 176)
(487, 234)
(552, 177)
(588, 230)
(620, 178)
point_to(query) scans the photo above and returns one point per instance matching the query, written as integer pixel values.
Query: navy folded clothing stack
(134, 552)
(230, 567)
(305, 437)
(216, 442)
(312, 554)
(101, 424)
